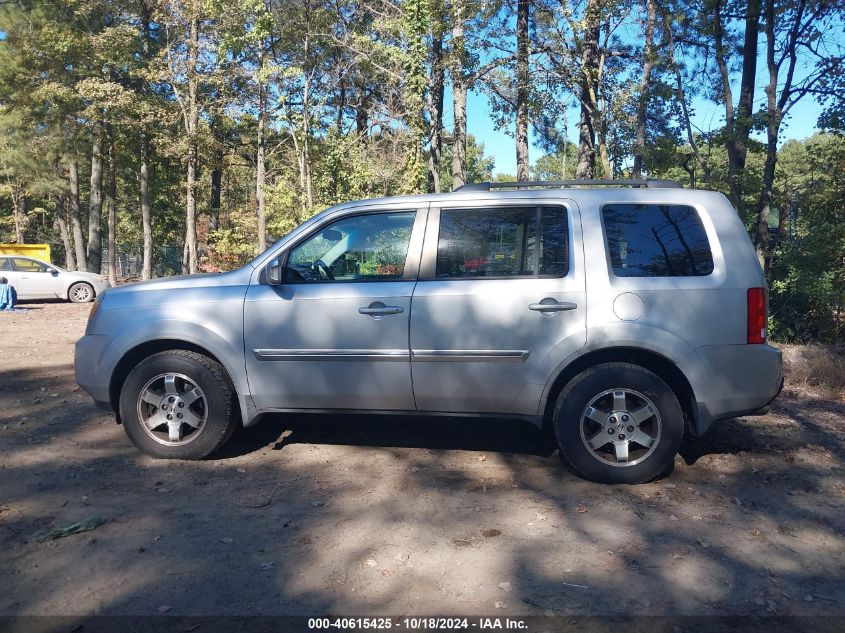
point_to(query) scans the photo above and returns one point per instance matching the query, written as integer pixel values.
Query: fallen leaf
(371, 563)
(86, 525)
(505, 586)
(581, 509)
(257, 501)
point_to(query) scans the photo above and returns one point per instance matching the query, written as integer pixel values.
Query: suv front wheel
(178, 404)
(618, 423)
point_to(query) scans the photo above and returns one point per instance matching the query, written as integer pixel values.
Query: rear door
(499, 304)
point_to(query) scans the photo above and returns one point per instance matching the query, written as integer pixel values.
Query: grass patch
(817, 369)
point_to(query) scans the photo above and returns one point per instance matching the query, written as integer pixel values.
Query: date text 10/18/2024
(417, 624)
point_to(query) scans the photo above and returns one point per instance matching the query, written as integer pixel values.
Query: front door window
(369, 247)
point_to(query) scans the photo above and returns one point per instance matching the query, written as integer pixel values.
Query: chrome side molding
(470, 355)
(332, 354)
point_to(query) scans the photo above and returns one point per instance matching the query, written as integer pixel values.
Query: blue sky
(708, 116)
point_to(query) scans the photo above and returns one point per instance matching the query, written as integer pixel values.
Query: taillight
(756, 315)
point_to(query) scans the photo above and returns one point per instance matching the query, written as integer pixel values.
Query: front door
(499, 304)
(334, 335)
(33, 280)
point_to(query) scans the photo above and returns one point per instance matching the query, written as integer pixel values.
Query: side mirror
(52, 271)
(274, 272)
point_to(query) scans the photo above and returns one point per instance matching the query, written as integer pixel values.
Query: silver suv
(620, 316)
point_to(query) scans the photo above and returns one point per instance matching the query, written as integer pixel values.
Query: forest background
(150, 137)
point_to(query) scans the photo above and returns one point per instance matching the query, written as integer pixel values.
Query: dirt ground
(308, 514)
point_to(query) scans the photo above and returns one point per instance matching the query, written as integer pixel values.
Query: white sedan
(34, 279)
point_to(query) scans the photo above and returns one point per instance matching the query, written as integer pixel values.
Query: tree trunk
(61, 220)
(189, 263)
(216, 192)
(19, 213)
(76, 214)
(738, 123)
(681, 97)
(589, 101)
(362, 108)
(522, 89)
(146, 212)
(94, 254)
(260, 175)
(111, 206)
(435, 109)
(642, 103)
(761, 232)
(459, 96)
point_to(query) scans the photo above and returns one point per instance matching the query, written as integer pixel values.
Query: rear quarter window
(652, 240)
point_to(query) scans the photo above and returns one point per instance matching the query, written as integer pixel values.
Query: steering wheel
(321, 268)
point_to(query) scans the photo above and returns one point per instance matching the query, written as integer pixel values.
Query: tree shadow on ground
(392, 431)
(370, 514)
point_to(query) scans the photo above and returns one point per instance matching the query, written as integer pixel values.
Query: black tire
(81, 292)
(580, 392)
(219, 398)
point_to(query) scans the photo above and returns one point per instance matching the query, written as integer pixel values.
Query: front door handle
(550, 305)
(377, 309)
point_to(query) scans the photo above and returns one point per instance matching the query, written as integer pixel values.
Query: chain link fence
(167, 261)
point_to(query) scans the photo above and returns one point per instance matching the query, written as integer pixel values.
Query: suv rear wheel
(618, 423)
(178, 405)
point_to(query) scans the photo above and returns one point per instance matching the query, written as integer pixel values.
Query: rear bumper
(739, 380)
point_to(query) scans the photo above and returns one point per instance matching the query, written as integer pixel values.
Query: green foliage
(415, 27)
(479, 166)
(808, 269)
(232, 246)
(341, 96)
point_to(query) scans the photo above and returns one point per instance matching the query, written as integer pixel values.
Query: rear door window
(503, 242)
(4, 264)
(652, 240)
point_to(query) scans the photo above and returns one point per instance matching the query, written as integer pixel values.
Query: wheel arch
(138, 353)
(663, 367)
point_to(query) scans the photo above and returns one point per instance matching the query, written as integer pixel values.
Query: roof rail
(531, 184)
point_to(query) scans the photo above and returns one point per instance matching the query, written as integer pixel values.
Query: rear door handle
(377, 308)
(551, 305)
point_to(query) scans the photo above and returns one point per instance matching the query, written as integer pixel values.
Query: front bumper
(88, 368)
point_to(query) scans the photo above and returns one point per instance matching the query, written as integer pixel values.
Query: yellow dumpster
(37, 251)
